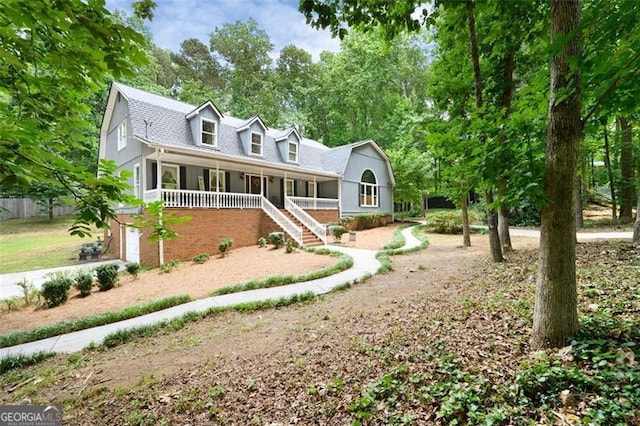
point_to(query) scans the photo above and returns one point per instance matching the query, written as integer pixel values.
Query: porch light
(241, 175)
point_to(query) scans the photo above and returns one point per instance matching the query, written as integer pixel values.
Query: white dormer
(288, 142)
(252, 135)
(205, 125)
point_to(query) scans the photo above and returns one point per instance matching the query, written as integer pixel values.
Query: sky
(177, 20)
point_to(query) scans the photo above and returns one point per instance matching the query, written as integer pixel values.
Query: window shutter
(205, 176)
(227, 182)
(154, 175)
(183, 177)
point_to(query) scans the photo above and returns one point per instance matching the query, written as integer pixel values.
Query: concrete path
(8, 287)
(364, 264)
(582, 236)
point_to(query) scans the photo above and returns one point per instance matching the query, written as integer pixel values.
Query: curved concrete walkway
(581, 236)
(364, 264)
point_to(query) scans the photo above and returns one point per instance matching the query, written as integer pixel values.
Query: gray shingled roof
(161, 120)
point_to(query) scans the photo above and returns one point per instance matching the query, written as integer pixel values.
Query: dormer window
(256, 143)
(209, 132)
(122, 135)
(293, 152)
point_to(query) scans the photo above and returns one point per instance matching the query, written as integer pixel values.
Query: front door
(132, 251)
(252, 185)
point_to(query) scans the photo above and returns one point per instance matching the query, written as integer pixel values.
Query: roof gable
(208, 104)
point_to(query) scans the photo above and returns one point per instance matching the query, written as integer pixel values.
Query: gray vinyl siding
(195, 123)
(363, 158)
(283, 148)
(133, 149)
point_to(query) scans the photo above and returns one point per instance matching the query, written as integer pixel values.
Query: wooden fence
(26, 207)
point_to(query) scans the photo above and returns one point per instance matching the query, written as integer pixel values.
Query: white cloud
(178, 20)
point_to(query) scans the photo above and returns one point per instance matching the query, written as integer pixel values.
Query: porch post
(262, 193)
(340, 197)
(315, 194)
(217, 184)
(159, 192)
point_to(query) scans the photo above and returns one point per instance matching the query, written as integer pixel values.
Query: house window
(289, 186)
(368, 190)
(256, 143)
(208, 132)
(170, 177)
(217, 181)
(136, 180)
(293, 152)
(122, 135)
(311, 189)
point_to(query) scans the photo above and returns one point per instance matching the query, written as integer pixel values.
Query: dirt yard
(198, 281)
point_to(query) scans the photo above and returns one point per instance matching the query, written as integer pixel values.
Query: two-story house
(236, 178)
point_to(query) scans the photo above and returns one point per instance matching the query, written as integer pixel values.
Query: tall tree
(556, 307)
(243, 49)
(55, 56)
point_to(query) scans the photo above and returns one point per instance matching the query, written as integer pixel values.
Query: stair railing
(282, 221)
(318, 229)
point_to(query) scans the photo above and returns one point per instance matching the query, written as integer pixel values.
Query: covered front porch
(186, 181)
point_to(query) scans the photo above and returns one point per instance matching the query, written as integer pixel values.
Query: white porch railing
(306, 219)
(282, 221)
(315, 203)
(182, 198)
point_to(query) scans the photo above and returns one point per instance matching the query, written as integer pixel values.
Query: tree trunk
(503, 220)
(466, 229)
(492, 217)
(50, 209)
(636, 226)
(579, 217)
(555, 316)
(627, 186)
(494, 237)
(612, 187)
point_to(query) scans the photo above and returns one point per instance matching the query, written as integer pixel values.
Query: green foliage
(169, 266)
(83, 282)
(107, 276)
(394, 247)
(132, 269)
(69, 326)
(447, 221)
(55, 291)
(525, 216)
(225, 245)
(123, 336)
(277, 239)
(13, 304)
(262, 242)
(47, 78)
(360, 222)
(29, 292)
(200, 258)
(13, 362)
(289, 247)
(336, 231)
(345, 262)
(159, 222)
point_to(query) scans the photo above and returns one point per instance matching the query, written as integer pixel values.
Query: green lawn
(34, 243)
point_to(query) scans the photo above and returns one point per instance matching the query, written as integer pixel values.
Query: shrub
(225, 245)
(133, 268)
(337, 231)
(56, 291)
(200, 258)
(277, 239)
(29, 291)
(289, 247)
(83, 283)
(262, 242)
(525, 216)
(169, 266)
(447, 221)
(107, 276)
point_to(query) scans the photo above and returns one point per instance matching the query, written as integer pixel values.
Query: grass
(397, 241)
(34, 243)
(83, 323)
(345, 262)
(13, 362)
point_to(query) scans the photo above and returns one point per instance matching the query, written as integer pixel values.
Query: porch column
(217, 184)
(340, 197)
(159, 192)
(315, 194)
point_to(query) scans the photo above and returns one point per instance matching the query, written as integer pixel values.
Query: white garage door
(133, 245)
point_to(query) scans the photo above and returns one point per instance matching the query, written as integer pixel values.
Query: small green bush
(107, 276)
(200, 258)
(56, 291)
(277, 239)
(83, 283)
(133, 268)
(289, 247)
(225, 245)
(169, 266)
(447, 221)
(337, 231)
(262, 242)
